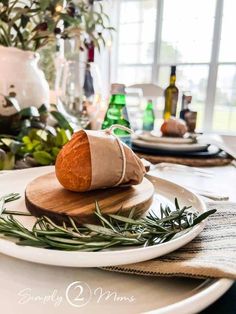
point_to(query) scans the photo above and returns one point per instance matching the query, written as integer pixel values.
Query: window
(224, 118)
(136, 41)
(197, 36)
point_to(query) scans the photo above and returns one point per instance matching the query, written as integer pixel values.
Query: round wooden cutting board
(45, 196)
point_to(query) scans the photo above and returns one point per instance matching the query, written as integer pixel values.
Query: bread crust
(73, 164)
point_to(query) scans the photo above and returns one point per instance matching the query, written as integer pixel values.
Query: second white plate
(195, 147)
(156, 137)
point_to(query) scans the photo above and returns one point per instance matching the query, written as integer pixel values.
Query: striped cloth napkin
(212, 254)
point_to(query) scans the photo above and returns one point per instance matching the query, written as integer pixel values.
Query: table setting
(106, 204)
(181, 272)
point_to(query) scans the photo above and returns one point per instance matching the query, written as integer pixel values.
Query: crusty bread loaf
(174, 127)
(73, 164)
(96, 160)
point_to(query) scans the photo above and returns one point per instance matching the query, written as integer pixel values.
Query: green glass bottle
(148, 117)
(171, 96)
(117, 113)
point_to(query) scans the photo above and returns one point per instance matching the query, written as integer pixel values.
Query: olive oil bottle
(171, 96)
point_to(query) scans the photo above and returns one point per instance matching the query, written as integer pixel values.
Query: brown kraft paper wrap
(113, 163)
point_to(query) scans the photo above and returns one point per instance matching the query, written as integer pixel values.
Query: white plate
(166, 191)
(160, 295)
(155, 137)
(195, 147)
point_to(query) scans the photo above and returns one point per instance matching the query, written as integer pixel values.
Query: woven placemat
(195, 162)
(212, 254)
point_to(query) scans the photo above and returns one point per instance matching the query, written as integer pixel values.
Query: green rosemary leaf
(97, 209)
(2, 203)
(28, 242)
(177, 204)
(131, 215)
(16, 213)
(162, 211)
(64, 240)
(47, 232)
(62, 246)
(24, 235)
(97, 244)
(126, 219)
(111, 243)
(167, 210)
(189, 218)
(125, 239)
(112, 230)
(100, 229)
(103, 219)
(11, 197)
(203, 216)
(72, 223)
(55, 225)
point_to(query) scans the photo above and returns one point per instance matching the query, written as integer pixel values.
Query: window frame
(213, 63)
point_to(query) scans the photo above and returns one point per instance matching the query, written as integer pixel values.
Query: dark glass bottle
(171, 96)
(186, 100)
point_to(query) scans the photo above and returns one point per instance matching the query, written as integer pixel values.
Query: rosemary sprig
(111, 231)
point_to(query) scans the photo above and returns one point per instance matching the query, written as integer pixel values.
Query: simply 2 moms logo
(77, 294)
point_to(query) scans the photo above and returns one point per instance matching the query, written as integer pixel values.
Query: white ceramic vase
(20, 74)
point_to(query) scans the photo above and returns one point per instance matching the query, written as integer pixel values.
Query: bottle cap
(173, 70)
(117, 89)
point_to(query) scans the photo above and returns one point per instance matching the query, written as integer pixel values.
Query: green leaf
(125, 219)
(147, 231)
(29, 112)
(9, 161)
(203, 216)
(24, 20)
(13, 145)
(6, 141)
(61, 120)
(55, 151)
(42, 135)
(176, 204)
(43, 109)
(64, 136)
(26, 140)
(99, 229)
(43, 158)
(44, 4)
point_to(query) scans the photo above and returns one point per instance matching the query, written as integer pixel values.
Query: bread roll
(96, 159)
(174, 127)
(73, 164)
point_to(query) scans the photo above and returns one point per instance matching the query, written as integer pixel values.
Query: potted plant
(26, 27)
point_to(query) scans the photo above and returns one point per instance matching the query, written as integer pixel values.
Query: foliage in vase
(32, 24)
(30, 141)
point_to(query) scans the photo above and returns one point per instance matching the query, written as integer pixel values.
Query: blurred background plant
(41, 25)
(30, 141)
(31, 24)
(47, 27)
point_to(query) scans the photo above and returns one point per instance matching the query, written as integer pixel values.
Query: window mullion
(213, 69)
(115, 7)
(157, 43)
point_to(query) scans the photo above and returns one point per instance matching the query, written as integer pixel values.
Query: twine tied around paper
(110, 131)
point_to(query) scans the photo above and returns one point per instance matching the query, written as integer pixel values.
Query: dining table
(28, 287)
